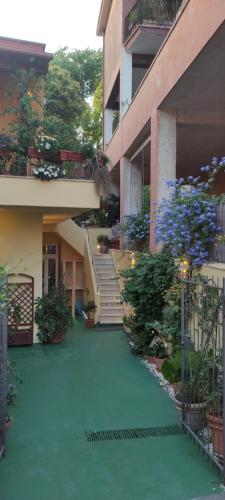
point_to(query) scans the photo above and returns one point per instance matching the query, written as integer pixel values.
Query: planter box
(70, 156)
(40, 155)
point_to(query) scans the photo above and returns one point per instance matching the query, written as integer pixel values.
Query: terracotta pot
(216, 426)
(57, 338)
(158, 362)
(195, 416)
(90, 323)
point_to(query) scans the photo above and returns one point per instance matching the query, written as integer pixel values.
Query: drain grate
(136, 433)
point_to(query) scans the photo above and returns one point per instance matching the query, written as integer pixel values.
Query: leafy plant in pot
(90, 309)
(104, 242)
(190, 399)
(157, 353)
(52, 315)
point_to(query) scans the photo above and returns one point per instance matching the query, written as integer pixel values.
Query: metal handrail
(92, 258)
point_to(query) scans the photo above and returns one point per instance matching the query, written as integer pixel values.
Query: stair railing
(92, 258)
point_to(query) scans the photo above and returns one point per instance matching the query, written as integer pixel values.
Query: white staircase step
(113, 307)
(103, 256)
(110, 320)
(112, 310)
(104, 263)
(107, 281)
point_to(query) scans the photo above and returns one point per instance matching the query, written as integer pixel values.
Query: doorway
(50, 267)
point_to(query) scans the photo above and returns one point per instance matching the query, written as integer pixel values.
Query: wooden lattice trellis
(20, 309)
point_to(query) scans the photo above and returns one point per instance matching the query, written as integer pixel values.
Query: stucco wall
(21, 246)
(215, 271)
(112, 47)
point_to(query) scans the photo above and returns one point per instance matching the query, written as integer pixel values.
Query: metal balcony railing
(158, 12)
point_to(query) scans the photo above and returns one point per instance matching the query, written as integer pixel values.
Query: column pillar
(108, 125)
(125, 82)
(130, 189)
(163, 161)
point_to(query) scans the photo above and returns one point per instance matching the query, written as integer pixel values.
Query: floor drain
(135, 433)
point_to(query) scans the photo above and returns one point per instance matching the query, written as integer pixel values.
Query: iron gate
(20, 309)
(202, 364)
(3, 376)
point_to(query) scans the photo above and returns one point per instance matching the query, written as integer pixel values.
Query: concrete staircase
(112, 310)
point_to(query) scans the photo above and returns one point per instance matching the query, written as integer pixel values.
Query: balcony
(57, 200)
(73, 192)
(148, 24)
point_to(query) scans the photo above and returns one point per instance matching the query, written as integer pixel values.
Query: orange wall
(5, 100)
(6, 87)
(112, 47)
(67, 252)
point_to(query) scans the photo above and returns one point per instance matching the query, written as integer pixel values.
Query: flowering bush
(186, 222)
(47, 172)
(47, 144)
(136, 230)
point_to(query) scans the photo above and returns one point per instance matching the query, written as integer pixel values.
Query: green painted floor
(93, 382)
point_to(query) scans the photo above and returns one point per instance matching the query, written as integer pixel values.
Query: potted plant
(157, 353)
(89, 309)
(52, 315)
(215, 410)
(171, 371)
(190, 399)
(104, 242)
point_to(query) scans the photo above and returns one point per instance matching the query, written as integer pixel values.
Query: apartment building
(164, 100)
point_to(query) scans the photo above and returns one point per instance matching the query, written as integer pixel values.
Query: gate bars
(3, 370)
(203, 364)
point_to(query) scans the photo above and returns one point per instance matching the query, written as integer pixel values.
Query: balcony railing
(158, 12)
(71, 165)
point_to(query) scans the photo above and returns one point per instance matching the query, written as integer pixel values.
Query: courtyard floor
(92, 382)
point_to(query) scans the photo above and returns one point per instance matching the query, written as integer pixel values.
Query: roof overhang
(103, 16)
(23, 52)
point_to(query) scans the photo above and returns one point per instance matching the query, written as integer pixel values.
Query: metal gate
(202, 365)
(3, 377)
(20, 309)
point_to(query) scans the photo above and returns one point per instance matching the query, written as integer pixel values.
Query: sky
(58, 23)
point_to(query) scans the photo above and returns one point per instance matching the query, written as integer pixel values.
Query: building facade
(164, 104)
(39, 243)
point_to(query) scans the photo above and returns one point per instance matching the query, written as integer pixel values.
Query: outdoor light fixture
(184, 268)
(133, 261)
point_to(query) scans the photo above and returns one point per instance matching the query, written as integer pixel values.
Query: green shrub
(52, 313)
(171, 369)
(144, 288)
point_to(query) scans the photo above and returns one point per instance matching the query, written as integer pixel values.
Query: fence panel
(202, 340)
(3, 379)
